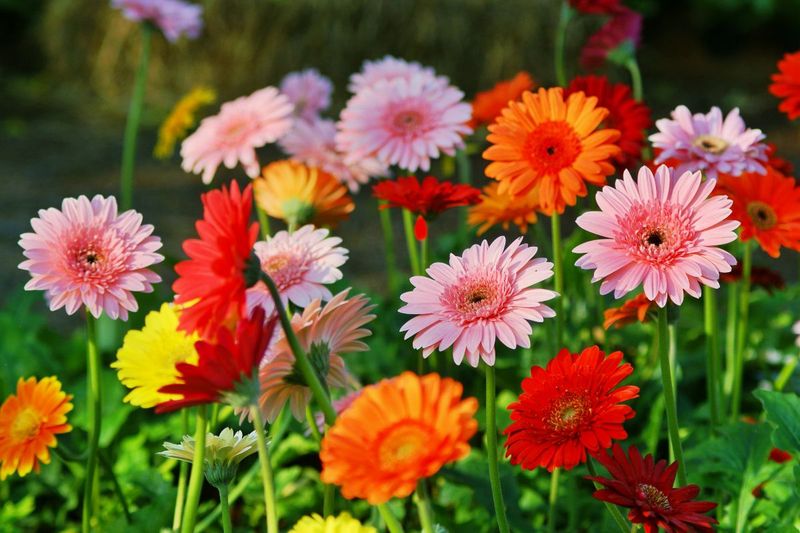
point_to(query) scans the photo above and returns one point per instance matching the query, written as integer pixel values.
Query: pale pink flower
(661, 231)
(479, 298)
(710, 144)
(87, 254)
(391, 68)
(404, 122)
(325, 333)
(232, 136)
(172, 17)
(309, 92)
(313, 143)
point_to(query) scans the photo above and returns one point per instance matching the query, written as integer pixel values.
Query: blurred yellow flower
(495, 208)
(344, 523)
(181, 119)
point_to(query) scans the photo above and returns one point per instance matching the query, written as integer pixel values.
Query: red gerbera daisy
(786, 85)
(646, 488)
(570, 407)
(624, 29)
(211, 282)
(596, 7)
(625, 114)
(227, 369)
(777, 162)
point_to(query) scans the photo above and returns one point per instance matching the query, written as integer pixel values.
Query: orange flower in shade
(488, 105)
(767, 205)
(397, 432)
(29, 423)
(300, 195)
(786, 85)
(504, 209)
(634, 309)
(551, 145)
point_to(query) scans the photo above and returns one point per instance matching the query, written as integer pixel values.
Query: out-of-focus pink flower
(173, 17)
(390, 68)
(309, 92)
(624, 29)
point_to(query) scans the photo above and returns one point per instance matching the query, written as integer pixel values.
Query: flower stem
(423, 256)
(636, 77)
(227, 527)
(423, 501)
(561, 38)
(196, 476)
(730, 344)
(327, 489)
(132, 123)
(553, 500)
(491, 451)
(465, 177)
(391, 522)
(712, 354)
(741, 331)
(266, 471)
(94, 399)
(612, 509)
(183, 470)
(669, 392)
(388, 249)
(558, 267)
(413, 257)
(785, 373)
(263, 221)
(106, 464)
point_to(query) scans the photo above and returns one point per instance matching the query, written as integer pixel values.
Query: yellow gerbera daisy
(503, 208)
(344, 523)
(181, 119)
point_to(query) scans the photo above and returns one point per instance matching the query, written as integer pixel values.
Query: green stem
(117, 487)
(132, 123)
(785, 373)
(388, 249)
(741, 331)
(558, 267)
(669, 392)
(214, 417)
(196, 476)
(182, 473)
(94, 399)
(423, 256)
(411, 242)
(636, 77)
(553, 500)
(491, 451)
(263, 220)
(391, 522)
(423, 501)
(713, 369)
(612, 509)
(730, 343)
(327, 489)
(465, 177)
(312, 424)
(561, 39)
(266, 470)
(227, 527)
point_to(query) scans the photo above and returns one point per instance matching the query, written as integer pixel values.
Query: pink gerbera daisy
(87, 254)
(313, 143)
(481, 297)
(709, 144)
(661, 231)
(233, 135)
(173, 17)
(390, 68)
(309, 92)
(405, 122)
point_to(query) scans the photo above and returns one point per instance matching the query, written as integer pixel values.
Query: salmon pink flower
(309, 92)
(173, 17)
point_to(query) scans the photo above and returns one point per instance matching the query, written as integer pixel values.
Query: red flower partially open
(786, 84)
(427, 198)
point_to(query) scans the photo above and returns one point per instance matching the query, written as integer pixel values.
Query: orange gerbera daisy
(495, 208)
(634, 309)
(488, 105)
(299, 195)
(552, 145)
(768, 206)
(29, 422)
(397, 432)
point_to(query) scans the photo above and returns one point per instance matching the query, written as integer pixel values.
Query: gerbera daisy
(766, 278)
(618, 37)
(488, 105)
(397, 432)
(646, 487)
(552, 146)
(625, 114)
(344, 523)
(571, 407)
(495, 208)
(709, 143)
(481, 297)
(29, 423)
(404, 122)
(597, 7)
(232, 135)
(390, 68)
(309, 92)
(181, 119)
(299, 195)
(325, 333)
(786, 85)
(662, 232)
(768, 206)
(146, 361)
(796, 331)
(634, 309)
(314, 143)
(87, 254)
(211, 283)
(173, 17)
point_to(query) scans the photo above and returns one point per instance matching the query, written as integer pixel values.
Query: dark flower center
(762, 215)
(655, 238)
(654, 497)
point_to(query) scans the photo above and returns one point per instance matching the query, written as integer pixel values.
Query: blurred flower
(325, 333)
(426, 198)
(572, 407)
(796, 331)
(550, 145)
(709, 144)
(597, 7)
(477, 299)
(404, 122)
(397, 432)
(616, 40)
(390, 68)
(775, 161)
(181, 119)
(768, 206)
(314, 143)
(786, 85)
(776, 455)
(173, 17)
(662, 232)
(339, 405)
(646, 488)
(344, 523)
(495, 208)
(29, 423)
(146, 361)
(300, 195)
(232, 135)
(625, 114)
(488, 105)
(632, 310)
(87, 254)
(309, 92)
(211, 283)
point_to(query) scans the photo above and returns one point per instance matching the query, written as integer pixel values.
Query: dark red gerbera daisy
(569, 408)
(766, 278)
(779, 456)
(786, 85)
(226, 369)
(596, 7)
(625, 114)
(646, 488)
(623, 30)
(212, 281)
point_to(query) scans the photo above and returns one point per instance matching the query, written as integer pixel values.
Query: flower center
(402, 444)
(476, 296)
(235, 130)
(407, 121)
(285, 268)
(25, 425)
(568, 412)
(654, 497)
(711, 144)
(762, 215)
(655, 233)
(551, 147)
(654, 238)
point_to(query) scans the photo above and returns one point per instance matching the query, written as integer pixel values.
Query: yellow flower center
(654, 497)
(275, 263)
(402, 444)
(25, 425)
(567, 413)
(711, 144)
(762, 215)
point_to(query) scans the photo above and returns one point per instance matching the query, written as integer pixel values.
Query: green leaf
(783, 413)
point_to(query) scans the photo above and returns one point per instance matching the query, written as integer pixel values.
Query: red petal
(421, 229)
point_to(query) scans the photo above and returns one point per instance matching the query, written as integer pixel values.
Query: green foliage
(783, 413)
